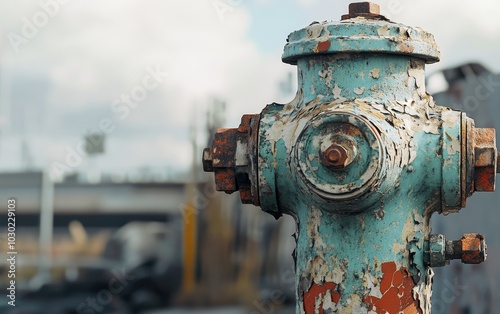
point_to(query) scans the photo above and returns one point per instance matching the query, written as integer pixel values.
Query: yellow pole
(189, 241)
(189, 215)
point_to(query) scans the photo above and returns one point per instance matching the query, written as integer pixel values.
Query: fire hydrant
(361, 158)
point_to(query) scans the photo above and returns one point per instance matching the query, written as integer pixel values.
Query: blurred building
(459, 288)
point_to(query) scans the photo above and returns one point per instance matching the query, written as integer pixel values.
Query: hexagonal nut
(485, 160)
(437, 251)
(364, 8)
(473, 248)
(368, 10)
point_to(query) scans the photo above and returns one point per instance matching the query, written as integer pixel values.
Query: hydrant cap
(360, 34)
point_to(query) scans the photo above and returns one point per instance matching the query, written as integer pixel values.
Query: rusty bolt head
(365, 9)
(473, 248)
(336, 156)
(208, 163)
(485, 161)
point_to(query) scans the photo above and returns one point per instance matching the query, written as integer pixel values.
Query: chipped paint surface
(396, 290)
(362, 227)
(373, 35)
(320, 298)
(375, 73)
(397, 130)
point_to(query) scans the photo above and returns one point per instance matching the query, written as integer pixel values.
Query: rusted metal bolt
(230, 159)
(435, 251)
(336, 156)
(365, 9)
(471, 249)
(208, 162)
(486, 160)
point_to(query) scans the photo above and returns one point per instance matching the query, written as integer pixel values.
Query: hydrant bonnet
(360, 35)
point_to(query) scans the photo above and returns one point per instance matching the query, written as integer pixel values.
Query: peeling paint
(361, 225)
(359, 90)
(313, 229)
(375, 73)
(320, 298)
(314, 31)
(384, 30)
(396, 289)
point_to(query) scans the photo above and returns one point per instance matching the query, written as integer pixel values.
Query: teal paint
(360, 35)
(364, 243)
(435, 251)
(376, 211)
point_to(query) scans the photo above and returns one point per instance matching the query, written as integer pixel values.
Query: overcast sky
(70, 73)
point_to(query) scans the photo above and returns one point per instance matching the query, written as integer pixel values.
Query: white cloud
(95, 51)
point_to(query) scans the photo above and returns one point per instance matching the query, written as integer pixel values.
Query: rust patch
(485, 179)
(397, 292)
(319, 291)
(233, 159)
(485, 162)
(473, 248)
(323, 46)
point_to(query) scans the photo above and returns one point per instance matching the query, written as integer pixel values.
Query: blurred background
(105, 107)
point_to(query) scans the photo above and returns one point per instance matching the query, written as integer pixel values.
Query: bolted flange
(485, 160)
(232, 158)
(470, 249)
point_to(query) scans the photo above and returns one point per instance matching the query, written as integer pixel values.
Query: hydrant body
(361, 158)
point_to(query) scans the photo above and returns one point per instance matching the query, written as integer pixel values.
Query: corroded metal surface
(364, 9)
(473, 248)
(470, 249)
(396, 289)
(359, 33)
(362, 158)
(337, 156)
(485, 161)
(232, 158)
(394, 201)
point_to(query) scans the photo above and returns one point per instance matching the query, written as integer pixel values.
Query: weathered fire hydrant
(361, 158)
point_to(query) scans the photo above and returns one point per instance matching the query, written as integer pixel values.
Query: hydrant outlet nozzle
(470, 249)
